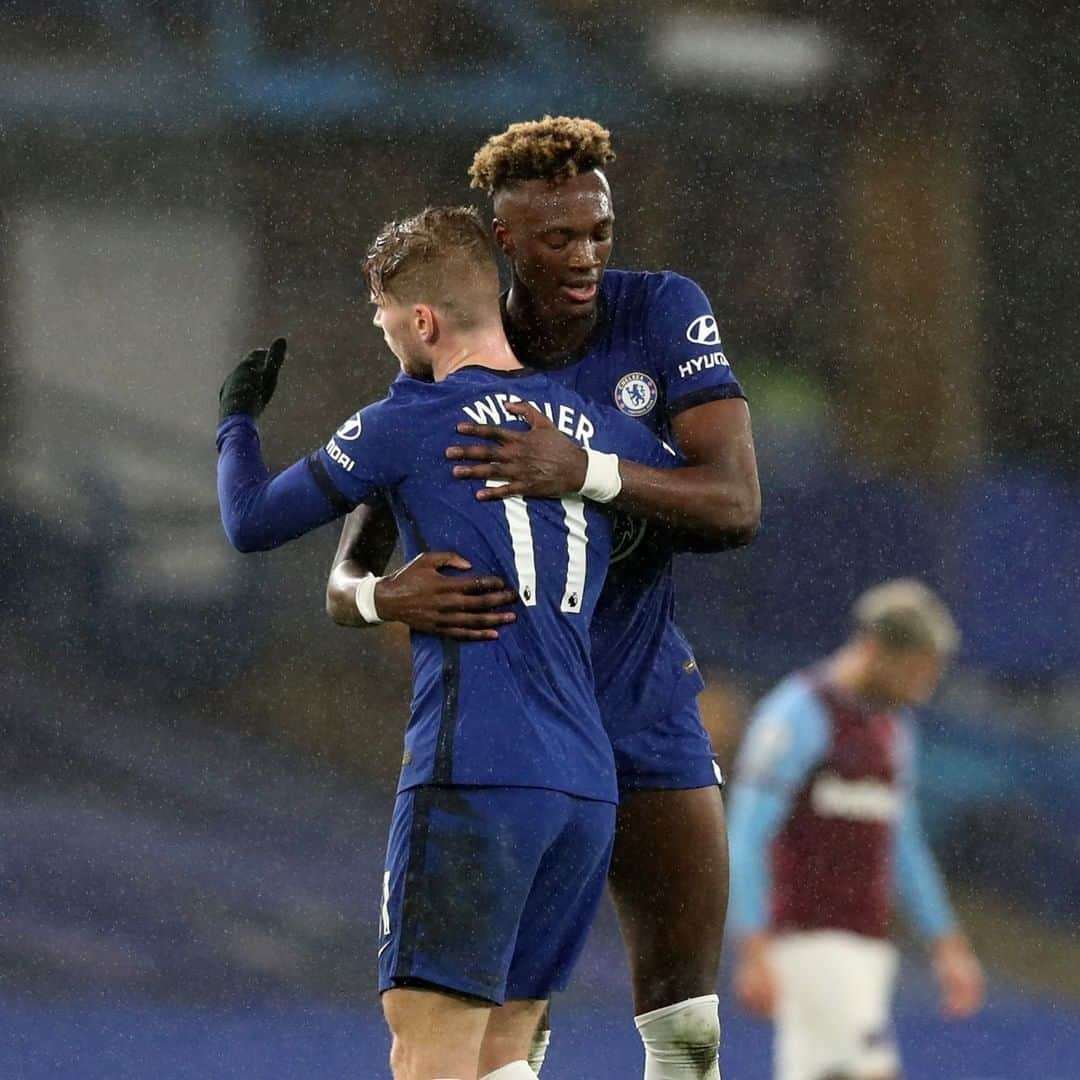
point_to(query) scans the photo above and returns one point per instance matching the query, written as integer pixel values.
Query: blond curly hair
(554, 149)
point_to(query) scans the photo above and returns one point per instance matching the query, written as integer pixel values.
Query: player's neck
(548, 337)
(486, 347)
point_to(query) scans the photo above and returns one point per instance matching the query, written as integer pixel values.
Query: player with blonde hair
(825, 832)
(505, 812)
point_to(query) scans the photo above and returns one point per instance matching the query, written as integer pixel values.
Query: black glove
(251, 384)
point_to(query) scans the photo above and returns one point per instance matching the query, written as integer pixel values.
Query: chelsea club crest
(635, 394)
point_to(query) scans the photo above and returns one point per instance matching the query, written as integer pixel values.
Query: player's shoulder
(401, 392)
(406, 393)
(789, 729)
(482, 395)
(478, 381)
(386, 417)
(626, 283)
(406, 389)
(579, 417)
(796, 699)
(542, 383)
(662, 304)
(652, 289)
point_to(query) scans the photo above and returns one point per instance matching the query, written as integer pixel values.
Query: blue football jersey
(655, 351)
(519, 711)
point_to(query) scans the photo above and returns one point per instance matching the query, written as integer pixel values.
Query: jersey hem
(704, 777)
(412, 785)
(702, 397)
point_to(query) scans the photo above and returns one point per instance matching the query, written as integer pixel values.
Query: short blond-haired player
(505, 814)
(825, 832)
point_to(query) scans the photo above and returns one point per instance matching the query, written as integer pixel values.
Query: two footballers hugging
(541, 456)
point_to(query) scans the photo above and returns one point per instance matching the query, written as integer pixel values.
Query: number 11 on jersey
(517, 519)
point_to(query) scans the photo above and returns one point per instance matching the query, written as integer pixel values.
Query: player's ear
(503, 239)
(425, 323)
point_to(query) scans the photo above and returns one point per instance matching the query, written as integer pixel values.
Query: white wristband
(603, 481)
(365, 599)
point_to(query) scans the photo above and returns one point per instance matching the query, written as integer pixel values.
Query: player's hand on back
(431, 602)
(250, 385)
(538, 461)
(960, 976)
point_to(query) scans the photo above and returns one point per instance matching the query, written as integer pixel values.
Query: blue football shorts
(672, 753)
(490, 891)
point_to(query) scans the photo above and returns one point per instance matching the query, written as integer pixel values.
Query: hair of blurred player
(553, 149)
(903, 637)
(905, 614)
(441, 257)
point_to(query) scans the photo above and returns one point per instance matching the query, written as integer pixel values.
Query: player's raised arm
(261, 511)
(419, 594)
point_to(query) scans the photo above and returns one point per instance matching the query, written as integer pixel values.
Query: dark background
(198, 767)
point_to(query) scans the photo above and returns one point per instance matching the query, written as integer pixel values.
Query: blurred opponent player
(505, 813)
(824, 828)
(648, 343)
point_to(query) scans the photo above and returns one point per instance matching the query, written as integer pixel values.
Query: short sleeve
(363, 457)
(787, 737)
(684, 343)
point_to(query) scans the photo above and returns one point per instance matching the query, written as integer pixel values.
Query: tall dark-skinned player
(648, 343)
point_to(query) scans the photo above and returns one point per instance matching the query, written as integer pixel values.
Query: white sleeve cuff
(603, 481)
(365, 599)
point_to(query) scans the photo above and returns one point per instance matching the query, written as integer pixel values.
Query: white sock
(516, 1070)
(682, 1040)
(539, 1048)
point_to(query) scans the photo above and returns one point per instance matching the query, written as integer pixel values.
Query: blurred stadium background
(198, 767)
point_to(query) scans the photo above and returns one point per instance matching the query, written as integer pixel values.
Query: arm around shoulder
(715, 498)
